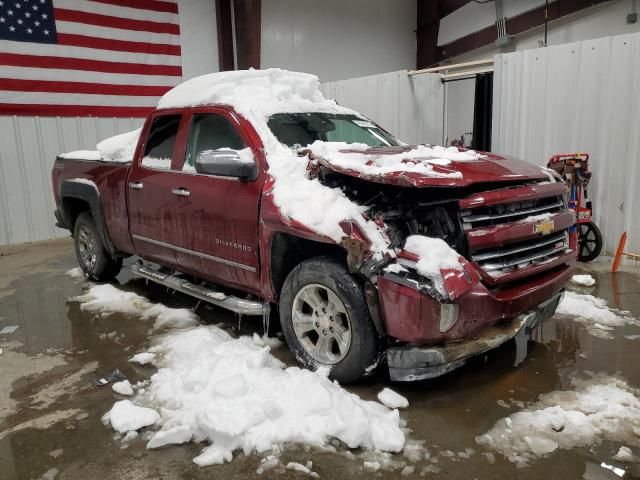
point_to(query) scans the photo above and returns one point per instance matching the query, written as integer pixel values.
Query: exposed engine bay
(431, 212)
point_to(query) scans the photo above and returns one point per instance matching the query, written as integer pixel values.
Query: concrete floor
(50, 411)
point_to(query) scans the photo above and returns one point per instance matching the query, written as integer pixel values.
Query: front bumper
(410, 363)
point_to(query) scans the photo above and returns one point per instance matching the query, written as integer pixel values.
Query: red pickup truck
(209, 205)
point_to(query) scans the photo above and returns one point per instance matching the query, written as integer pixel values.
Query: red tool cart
(574, 168)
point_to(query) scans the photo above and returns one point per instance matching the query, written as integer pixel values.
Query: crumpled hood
(422, 171)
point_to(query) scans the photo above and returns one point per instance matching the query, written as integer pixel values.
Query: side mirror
(227, 163)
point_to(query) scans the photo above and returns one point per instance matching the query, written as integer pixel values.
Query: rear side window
(158, 150)
(210, 131)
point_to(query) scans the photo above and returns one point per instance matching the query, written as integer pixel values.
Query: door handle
(183, 192)
(136, 185)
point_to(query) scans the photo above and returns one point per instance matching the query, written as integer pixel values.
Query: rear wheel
(326, 320)
(589, 241)
(92, 256)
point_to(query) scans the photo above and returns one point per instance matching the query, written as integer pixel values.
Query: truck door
(217, 219)
(149, 191)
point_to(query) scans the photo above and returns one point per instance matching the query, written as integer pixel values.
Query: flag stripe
(88, 53)
(115, 22)
(155, 5)
(41, 61)
(105, 32)
(60, 75)
(46, 110)
(15, 85)
(117, 11)
(117, 45)
(7, 96)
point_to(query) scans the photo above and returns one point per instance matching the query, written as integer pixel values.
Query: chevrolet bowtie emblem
(545, 227)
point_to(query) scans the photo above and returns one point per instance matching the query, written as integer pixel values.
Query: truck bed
(109, 178)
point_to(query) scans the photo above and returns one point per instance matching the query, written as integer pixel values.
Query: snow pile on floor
(392, 399)
(107, 299)
(601, 408)
(435, 256)
(594, 314)
(583, 280)
(420, 159)
(235, 395)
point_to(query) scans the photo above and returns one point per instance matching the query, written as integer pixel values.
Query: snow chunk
(171, 436)
(435, 255)
(123, 388)
(107, 299)
(119, 148)
(236, 395)
(392, 399)
(143, 358)
(583, 280)
(593, 313)
(298, 467)
(265, 340)
(81, 155)
(625, 455)
(124, 416)
(75, 273)
(601, 408)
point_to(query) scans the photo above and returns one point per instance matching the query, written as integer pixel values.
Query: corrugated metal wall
(409, 107)
(582, 96)
(28, 148)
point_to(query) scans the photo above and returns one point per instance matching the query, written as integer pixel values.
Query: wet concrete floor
(50, 411)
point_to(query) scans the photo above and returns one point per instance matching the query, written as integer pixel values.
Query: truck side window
(158, 150)
(210, 131)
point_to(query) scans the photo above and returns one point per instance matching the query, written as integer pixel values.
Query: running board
(201, 292)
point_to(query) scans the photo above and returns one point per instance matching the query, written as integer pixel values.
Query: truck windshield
(298, 130)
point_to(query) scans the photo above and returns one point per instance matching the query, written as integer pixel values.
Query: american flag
(87, 57)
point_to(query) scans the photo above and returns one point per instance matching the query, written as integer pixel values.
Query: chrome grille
(510, 212)
(509, 258)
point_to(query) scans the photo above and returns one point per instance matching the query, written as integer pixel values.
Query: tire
(589, 241)
(92, 256)
(322, 289)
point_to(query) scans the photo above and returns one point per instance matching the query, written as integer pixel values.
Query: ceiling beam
(515, 25)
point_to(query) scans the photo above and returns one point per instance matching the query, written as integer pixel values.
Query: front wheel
(326, 321)
(589, 241)
(93, 257)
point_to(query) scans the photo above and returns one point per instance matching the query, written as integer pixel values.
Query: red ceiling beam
(225, 35)
(515, 25)
(428, 25)
(248, 15)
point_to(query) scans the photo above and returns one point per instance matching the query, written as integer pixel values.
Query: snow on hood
(370, 161)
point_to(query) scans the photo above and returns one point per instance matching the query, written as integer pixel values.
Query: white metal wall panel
(28, 148)
(410, 107)
(579, 96)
